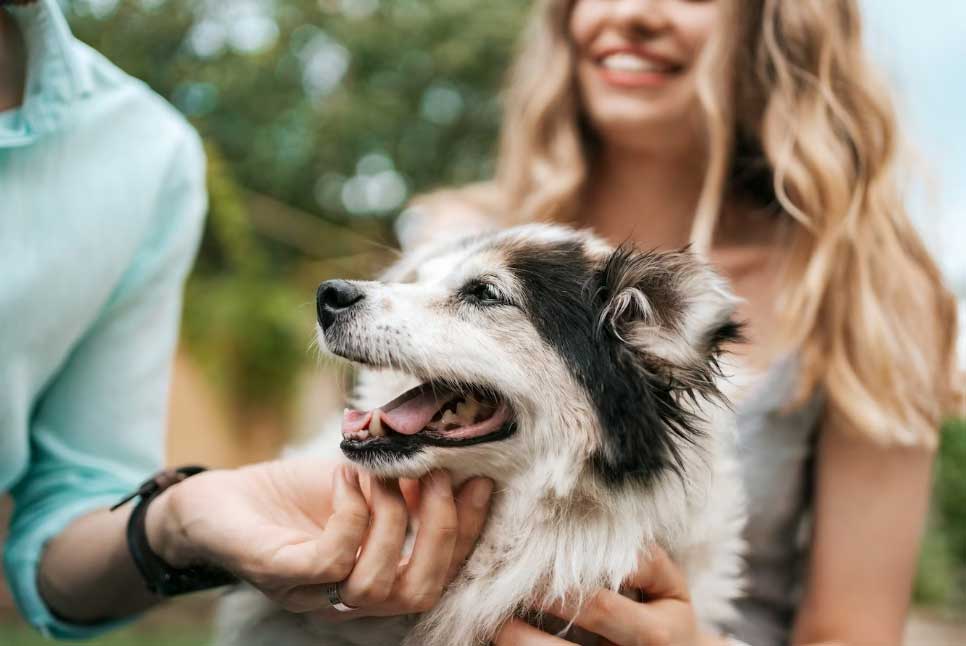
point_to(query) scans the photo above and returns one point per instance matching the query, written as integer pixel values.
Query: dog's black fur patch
(637, 404)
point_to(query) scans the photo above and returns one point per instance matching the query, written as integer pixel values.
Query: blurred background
(321, 118)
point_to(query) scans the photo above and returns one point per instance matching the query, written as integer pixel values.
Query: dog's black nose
(333, 297)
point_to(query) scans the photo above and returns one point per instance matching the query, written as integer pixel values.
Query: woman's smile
(633, 66)
(636, 67)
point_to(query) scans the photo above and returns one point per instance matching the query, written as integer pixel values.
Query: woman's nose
(649, 16)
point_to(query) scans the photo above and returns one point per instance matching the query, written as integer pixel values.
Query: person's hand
(292, 526)
(665, 618)
(448, 527)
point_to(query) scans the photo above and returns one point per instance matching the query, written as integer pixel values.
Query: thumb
(658, 577)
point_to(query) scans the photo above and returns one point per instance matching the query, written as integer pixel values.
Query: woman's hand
(292, 526)
(665, 618)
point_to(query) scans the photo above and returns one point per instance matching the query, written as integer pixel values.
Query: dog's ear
(670, 309)
(662, 320)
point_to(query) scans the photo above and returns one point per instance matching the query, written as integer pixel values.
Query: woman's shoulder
(450, 213)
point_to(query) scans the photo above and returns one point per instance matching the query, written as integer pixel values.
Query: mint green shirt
(101, 208)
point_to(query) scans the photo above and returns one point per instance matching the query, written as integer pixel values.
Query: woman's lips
(632, 69)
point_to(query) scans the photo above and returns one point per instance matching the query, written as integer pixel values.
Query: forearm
(87, 574)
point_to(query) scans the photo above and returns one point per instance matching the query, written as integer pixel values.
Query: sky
(922, 47)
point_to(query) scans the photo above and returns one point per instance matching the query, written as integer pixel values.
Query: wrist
(166, 533)
(158, 540)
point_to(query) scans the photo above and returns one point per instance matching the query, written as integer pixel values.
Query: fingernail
(480, 495)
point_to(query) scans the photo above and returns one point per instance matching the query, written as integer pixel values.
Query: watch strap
(161, 578)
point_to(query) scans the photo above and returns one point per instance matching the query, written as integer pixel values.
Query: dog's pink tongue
(407, 414)
(414, 409)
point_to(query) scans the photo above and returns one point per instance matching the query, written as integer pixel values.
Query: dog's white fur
(555, 531)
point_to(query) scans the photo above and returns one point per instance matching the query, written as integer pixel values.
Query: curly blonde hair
(797, 117)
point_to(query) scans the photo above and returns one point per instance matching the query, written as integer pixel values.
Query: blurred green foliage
(243, 321)
(321, 119)
(942, 565)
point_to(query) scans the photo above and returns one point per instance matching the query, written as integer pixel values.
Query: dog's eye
(481, 293)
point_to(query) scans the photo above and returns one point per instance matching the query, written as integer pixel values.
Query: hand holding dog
(665, 618)
(448, 527)
(290, 527)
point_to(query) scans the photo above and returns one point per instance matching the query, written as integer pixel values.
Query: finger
(658, 577)
(639, 623)
(424, 577)
(304, 598)
(472, 504)
(372, 578)
(520, 633)
(365, 485)
(329, 557)
(410, 491)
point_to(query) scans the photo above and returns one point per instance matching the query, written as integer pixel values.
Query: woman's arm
(870, 510)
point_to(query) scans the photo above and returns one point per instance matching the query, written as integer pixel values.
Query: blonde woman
(757, 130)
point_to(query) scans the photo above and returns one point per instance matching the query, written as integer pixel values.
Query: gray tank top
(776, 448)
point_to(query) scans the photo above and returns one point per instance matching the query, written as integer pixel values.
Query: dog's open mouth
(430, 414)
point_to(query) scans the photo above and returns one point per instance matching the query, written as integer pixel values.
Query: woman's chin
(642, 126)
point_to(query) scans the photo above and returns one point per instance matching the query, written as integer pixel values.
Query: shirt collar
(56, 76)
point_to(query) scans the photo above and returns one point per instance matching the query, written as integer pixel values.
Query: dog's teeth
(467, 409)
(449, 418)
(375, 425)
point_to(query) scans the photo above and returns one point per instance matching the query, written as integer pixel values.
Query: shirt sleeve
(98, 429)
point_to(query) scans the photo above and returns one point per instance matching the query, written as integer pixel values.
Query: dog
(585, 380)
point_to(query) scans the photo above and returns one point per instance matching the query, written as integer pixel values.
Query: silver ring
(335, 599)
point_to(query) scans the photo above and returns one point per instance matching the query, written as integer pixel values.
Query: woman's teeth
(624, 62)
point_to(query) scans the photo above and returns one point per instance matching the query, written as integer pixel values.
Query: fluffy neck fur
(548, 539)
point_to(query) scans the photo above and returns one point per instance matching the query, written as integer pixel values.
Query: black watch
(159, 577)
